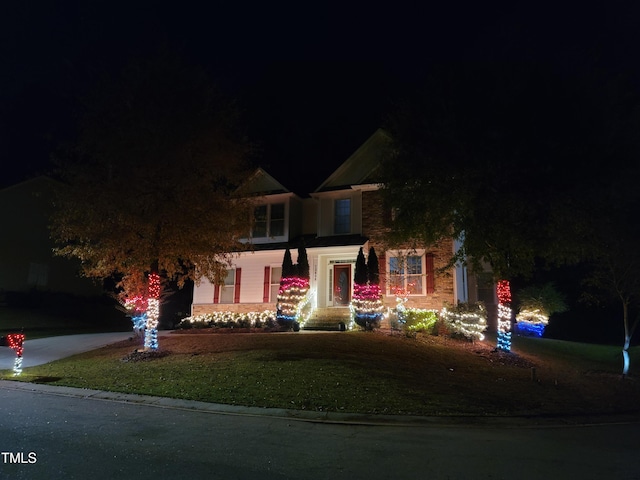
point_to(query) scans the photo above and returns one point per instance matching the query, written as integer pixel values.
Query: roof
(260, 182)
(312, 241)
(361, 166)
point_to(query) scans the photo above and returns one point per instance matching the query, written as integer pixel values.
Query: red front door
(341, 284)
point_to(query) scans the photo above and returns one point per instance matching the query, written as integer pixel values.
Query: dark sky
(316, 79)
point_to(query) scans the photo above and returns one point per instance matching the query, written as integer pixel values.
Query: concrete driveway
(45, 350)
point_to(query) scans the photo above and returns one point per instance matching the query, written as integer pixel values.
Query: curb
(355, 419)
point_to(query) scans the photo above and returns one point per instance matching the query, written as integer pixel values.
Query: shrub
(230, 320)
(467, 320)
(420, 320)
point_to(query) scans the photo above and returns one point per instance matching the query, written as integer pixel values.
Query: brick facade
(374, 226)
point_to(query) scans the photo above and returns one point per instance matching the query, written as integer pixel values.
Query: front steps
(328, 319)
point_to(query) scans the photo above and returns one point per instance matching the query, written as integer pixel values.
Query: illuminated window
(411, 274)
(268, 220)
(342, 216)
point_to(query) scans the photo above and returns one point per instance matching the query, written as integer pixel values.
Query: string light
(225, 319)
(470, 324)
(503, 291)
(153, 313)
(15, 342)
(292, 293)
(367, 303)
(531, 322)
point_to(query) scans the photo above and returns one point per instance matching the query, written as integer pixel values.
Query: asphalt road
(51, 432)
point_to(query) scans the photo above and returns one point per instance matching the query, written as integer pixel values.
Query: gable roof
(361, 166)
(260, 182)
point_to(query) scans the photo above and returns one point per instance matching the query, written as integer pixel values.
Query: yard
(361, 372)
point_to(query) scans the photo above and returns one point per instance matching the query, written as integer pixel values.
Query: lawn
(361, 372)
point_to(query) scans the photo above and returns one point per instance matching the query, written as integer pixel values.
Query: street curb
(466, 421)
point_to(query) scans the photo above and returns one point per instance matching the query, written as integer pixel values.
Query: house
(345, 213)
(27, 263)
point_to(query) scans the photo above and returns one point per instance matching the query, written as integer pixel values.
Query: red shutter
(216, 294)
(236, 290)
(382, 269)
(266, 287)
(431, 284)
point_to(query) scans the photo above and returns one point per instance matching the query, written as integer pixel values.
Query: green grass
(361, 373)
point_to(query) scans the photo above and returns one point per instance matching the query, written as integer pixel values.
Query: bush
(466, 320)
(230, 320)
(420, 320)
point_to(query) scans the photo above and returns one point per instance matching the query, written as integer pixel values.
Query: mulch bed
(145, 355)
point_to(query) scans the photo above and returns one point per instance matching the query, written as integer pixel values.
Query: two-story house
(342, 215)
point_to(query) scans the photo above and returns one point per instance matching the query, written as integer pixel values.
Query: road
(63, 433)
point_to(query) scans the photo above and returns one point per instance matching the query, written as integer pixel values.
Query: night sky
(314, 80)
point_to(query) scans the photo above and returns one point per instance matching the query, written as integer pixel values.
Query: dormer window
(342, 216)
(268, 220)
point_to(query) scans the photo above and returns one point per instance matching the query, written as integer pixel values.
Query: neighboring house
(27, 262)
(342, 215)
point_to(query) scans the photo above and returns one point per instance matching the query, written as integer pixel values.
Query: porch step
(324, 324)
(328, 319)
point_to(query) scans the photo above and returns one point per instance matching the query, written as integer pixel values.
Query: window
(342, 216)
(276, 273)
(268, 220)
(227, 290)
(413, 274)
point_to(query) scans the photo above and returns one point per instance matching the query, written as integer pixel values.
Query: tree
(294, 285)
(288, 269)
(367, 298)
(373, 268)
(614, 255)
(303, 262)
(360, 275)
(149, 185)
(486, 155)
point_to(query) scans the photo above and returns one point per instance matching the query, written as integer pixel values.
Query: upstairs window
(268, 220)
(342, 216)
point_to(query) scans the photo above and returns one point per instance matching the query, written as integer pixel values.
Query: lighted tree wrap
(153, 312)
(367, 297)
(294, 286)
(503, 291)
(150, 184)
(15, 342)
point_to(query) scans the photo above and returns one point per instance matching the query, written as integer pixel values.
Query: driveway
(45, 350)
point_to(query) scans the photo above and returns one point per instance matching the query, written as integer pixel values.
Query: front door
(341, 285)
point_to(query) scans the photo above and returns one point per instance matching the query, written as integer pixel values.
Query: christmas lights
(469, 321)
(15, 342)
(153, 313)
(503, 291)
(293, 291)
(367, 303)
(531, 322)
(229, 319)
